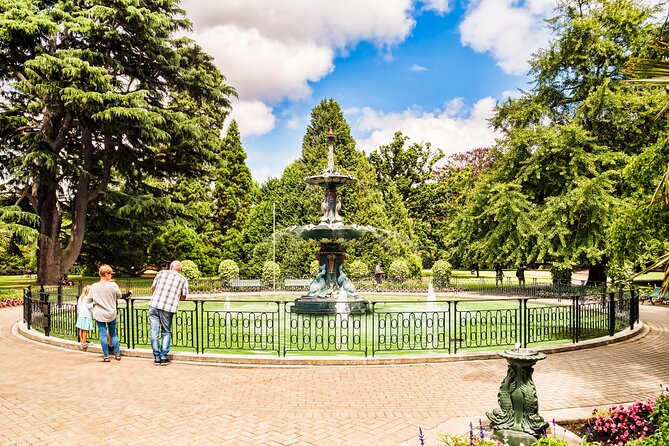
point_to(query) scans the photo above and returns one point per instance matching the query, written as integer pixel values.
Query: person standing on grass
(168, 288)
(520, 274)
(499, 275)
(378, 275)
(104, 295)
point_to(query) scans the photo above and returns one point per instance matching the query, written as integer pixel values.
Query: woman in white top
(104, 295)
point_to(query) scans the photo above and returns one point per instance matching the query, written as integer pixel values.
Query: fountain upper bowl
(330, 233)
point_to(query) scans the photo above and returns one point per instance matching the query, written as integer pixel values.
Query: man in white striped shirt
(168, 288)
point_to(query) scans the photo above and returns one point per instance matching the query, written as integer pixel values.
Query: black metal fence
(214, 325)
(486, 286)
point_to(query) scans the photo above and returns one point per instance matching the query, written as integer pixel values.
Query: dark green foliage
(180, 243)
(96, 95)
(561, 190)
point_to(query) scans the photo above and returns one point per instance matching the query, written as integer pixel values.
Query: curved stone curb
(21, 329)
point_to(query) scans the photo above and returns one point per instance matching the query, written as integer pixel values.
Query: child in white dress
(84, 317)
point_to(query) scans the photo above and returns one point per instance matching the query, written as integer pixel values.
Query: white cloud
(417, 68)
(438, 6)
(454, 129)
(335, 24)
(510, 31)
(253, 117)
(271, 50)
(261, 68)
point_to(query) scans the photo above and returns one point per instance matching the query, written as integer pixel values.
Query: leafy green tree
(408, 168)
(566, 144)
(95, 93)
(180, 242)
(404, 175)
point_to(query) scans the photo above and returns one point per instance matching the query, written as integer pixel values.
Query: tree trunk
(49, 250)
(597, 274)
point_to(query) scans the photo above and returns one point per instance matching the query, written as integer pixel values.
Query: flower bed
(12, 302)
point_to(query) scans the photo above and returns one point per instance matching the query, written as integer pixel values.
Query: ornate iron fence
(442, 326)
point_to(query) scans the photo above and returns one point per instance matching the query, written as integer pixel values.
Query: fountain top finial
(331, 138)
(330, 174)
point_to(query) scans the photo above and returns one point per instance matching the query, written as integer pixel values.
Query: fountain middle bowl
(330, 233)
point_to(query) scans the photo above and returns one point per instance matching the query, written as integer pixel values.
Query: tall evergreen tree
(97, 92)
(234, 188)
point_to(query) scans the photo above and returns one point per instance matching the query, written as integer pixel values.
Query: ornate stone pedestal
(518, 418)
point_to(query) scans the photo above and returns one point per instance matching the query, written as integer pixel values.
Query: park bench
(652, 296)
(246, 284)
(297, 284)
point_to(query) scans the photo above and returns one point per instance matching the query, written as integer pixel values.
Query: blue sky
(430, 68)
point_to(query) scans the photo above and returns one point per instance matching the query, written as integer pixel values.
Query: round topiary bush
(399, 270)
(270, 271)
(357, 269)
(441, 273)
(228, 270)
(190, 270)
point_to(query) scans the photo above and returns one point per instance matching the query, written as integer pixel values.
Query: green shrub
(399, 270)
(441, 273)
(228, 270)
(357, 269)
(551, 441)
(415, 264)
(270, 271)
(190, 270)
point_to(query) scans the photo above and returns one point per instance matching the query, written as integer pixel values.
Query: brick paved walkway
(52, 396)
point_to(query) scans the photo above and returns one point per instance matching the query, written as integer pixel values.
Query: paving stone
(52, 396)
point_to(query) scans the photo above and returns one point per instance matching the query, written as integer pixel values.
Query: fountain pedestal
(518, 420)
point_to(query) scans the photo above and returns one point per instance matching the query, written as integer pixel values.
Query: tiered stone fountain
(331, 291)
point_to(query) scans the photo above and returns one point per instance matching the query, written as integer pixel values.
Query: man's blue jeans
(102, 331)
(160, 320)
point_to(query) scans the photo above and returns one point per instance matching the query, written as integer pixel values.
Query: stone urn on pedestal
(517, 420)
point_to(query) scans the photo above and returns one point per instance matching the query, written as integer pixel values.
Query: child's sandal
(117, 357)
(105, 359)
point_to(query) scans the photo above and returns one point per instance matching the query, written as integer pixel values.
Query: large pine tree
(97, 92)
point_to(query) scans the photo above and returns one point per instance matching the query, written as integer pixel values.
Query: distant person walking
(378, 275)
(104, 295)
(84, 316)
(520, 274)
(499, 275)
(168, 288)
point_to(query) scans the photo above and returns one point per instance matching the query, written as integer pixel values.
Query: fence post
(196, 328)
(27, 307)
(576, 320)
(634, 307)
(456, 327)
(60, 295)
(612, 314)
(132, 323)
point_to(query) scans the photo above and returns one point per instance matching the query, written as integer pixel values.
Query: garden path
(52, 396)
